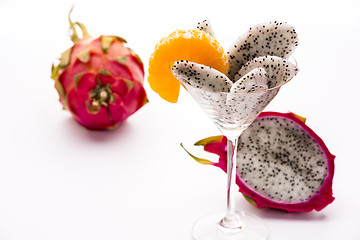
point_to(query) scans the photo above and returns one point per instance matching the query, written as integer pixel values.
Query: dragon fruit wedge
(201, 76)
(281, 163)
(206, 27)
(265, 39)
(99, 80)
(254, 80)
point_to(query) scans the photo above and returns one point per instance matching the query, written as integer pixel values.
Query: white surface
(59, 181)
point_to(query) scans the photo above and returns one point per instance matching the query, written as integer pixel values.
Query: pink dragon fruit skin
(317, 202)
(100, 81)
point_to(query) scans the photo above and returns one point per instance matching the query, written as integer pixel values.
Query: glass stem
(231, 219)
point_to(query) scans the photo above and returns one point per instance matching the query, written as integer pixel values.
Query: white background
(60, 181)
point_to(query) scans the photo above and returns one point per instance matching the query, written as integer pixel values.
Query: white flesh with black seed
(279, 160)
(206, 27)
(217, 100)
(278, 70)
(254, 80)
(201, 76)
(273, 38)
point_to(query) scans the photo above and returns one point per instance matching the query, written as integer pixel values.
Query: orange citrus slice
(192, 45)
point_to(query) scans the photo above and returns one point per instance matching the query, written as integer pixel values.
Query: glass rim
(236, 93)
(240, 93)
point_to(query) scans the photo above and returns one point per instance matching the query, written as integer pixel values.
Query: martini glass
(232, 113)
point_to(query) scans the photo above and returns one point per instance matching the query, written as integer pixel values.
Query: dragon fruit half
(281, 163)
(99, 80)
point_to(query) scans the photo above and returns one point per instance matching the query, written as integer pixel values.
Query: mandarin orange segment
(192, 45)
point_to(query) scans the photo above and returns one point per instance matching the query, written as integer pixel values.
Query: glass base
(209, 228)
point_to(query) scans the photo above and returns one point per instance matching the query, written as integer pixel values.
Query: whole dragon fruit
(99, 80)
(281, 163)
